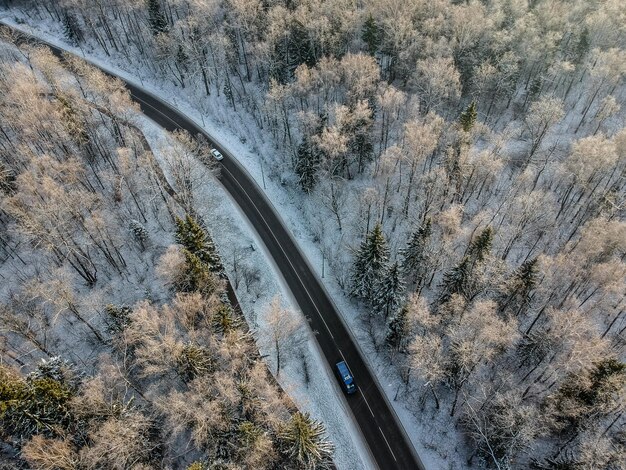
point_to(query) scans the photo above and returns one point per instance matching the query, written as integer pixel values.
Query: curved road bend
(374, 415)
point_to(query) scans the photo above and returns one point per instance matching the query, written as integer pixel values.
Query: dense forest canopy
(460, 165)
(118, 350)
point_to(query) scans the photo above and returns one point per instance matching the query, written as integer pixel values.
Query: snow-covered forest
(460, 165)
(119, 347)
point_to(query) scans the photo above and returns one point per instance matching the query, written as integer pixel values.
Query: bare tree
(286, 331)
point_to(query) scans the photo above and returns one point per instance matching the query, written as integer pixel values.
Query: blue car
(346, 377)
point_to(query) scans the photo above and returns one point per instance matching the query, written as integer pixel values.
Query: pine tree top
(527, 273)
(376, 244)
(371, 34)
(197, 241)
(481, 245)
(468, 117)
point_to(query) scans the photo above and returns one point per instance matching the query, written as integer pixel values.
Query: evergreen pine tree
(196, 240)
(370, 265)
(301, 49)
(35, 405)
(389, 292)
(360, 144)
(304, 441)
(370, 33)
(456, 281)
(158, 21)
(534, 89)
(307, 164)
(518, 289)
(225, 320)
(583, 46)
(193, 360)
(398, 330)
(7, 180)
(71, 29)
(197, 277)
(589, 392)
(139, 232)
(459, 280)
(59, 370)
(118, 318)
(181, 57)
(468, 117)
(297, 48)
(481, 245)
(414, 255)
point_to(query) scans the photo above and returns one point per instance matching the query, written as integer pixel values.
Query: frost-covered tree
(286, 331)
(541, 116)
(502, 426)
(438, 81)
(476, 337)
(50, 454)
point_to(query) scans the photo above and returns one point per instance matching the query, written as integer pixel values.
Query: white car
(217, 154)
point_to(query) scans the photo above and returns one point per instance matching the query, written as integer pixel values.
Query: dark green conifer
(518, 289)
(156, 16)
(456, 281)
(371, 35)
(192, 361)
(33, 406)
(398, 330)
(71, 29)
(197, 241)
(118, 318)
(414, 255)
(589, 392)
(305, 442)
(198, 277)
(481, 245)
(389, 292)
(370, 265)
(307, 164)
(583, 46)
(468, 117)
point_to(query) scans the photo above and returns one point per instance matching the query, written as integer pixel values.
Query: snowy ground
(233, 235)
(438, 445)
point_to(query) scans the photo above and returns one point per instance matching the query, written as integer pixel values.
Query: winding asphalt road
(374, 415)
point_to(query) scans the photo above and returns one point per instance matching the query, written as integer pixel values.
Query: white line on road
(368, 405)
(342, 356)
(387, 442)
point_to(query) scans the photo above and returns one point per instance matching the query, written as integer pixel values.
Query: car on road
(216, 153)
(347, 380)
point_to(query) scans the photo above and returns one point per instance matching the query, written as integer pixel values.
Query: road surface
(378, 422)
